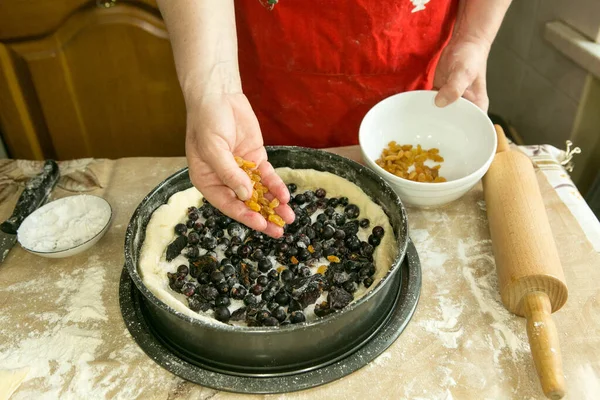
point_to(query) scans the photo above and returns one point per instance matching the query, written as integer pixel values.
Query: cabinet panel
(107, 86)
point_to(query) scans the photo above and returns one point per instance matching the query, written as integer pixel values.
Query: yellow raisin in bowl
(398, 160)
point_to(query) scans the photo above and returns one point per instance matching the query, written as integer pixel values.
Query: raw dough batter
(153, 267)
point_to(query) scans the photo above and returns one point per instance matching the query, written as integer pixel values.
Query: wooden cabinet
(88, 81)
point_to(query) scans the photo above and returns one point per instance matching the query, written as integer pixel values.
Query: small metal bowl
(275, 351)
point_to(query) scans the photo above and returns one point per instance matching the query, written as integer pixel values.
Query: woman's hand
(461, 72)
(220, 126)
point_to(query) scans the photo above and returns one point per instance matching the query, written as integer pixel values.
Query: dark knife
(36, 193)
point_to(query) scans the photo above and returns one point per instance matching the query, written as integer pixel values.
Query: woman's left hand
(461, 72)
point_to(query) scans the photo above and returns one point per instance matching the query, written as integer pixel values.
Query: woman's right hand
(220, 126)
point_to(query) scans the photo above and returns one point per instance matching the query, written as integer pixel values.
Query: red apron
(312, 69)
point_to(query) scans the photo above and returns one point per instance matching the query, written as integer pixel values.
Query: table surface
(60, 321)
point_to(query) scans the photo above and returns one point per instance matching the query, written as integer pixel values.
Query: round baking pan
(275, 351)
(140, 326)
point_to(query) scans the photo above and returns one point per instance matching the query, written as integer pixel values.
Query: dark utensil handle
(35, 194)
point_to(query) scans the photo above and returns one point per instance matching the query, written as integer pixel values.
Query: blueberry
(223, 242)
(180, 229)
(222, 314)
(258, 255)
(353, 243)
(193, 238)
(262, 280)
(322, 218)
(208, 293)
(364, 223)
(300, 198)
(250, 300)
(235, 240)
(244, 251)
(223, 222)
(366, 250)
(289, 238)
(178, 284)
(268, 295)
(194, 304)
(198, 226)
(311, 208)
(292, 252)
(222, 287)
(378, 232)
(217, 277)
(329, 211)
(273, 275)
(282, 298)
(228, 270)
(192, 252)
(270, 321)
(303, 255)
(204, 278)
(235, 229)
(217, 234)
(286, 275)
(182, 270)
(349, 286)
(304, 220)
(333, 202)
(297, 317)
(368, 282)
(292, 187)
(279, 313)
(343, 201)
(238, 292)
(327, 232)
(262, 314)
(305, 272)
(209, 243)
(210, 222)
(222, 301)
(256, 290)
(339, 234)
(321, 203)
(320, 193)
(188, 289)
(253, 275)
(282, 248)
(374, 240)
(265, 265)
(352, 211)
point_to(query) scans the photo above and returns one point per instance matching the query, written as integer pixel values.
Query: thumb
(226, 168)
(456, 85)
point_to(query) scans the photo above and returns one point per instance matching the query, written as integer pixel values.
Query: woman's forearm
(479, 20)
(204, 41)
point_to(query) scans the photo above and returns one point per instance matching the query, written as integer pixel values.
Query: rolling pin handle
(502, 141)
(543, 340)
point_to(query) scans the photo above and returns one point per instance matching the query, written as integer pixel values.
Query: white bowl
(461, 131)
(91, 202)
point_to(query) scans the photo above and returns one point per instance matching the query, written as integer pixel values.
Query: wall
(530, 84)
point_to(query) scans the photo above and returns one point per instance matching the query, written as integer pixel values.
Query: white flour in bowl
(64, 223)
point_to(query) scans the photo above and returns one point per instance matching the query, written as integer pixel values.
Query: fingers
(456, 85)
(273, 182)
(477, 94)
(226, 168)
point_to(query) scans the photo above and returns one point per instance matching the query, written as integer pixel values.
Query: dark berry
(189, 224)
(238, 292)
(223, 242)
(204, 278)
(303, 255)
(208, 293)
(343, 201)
(239, 314)
(282, 298)
(262, 280)
(193, 238)
(222, 287)
(333, 202)
(253, 275)
(210, 223)
(322, 218)
(250, 300)
(188, 289)
(235, 240)
(256, 290)
(327, 232)
(378, 232)
(351, 228)
(286, 275)
(178, 284)
(268, 295)
(198, 226)
(368, 282)
(310, 209)
(209, 243)
(321, 203)
(329, 211)
(282, 248)
(222, 301)
(338, 298)
(194, 304)
(304, 272)
(223, 222)
(366, 250)
(270, 321)
(228, 270)
(192, 252)
(217, 277)
(352, 211)
(265, 265)
(273, 275)
(235, 229)
(244, 251)
(292, 187)
(339, 234)
(222, 314)
(349, 286)
(258, 255)
(353, 243)
(279, 313)
(320, 193)
(364, 223)
(180, 229)
(300, 198)
(182, 270)
(297, 317)
(374, 240)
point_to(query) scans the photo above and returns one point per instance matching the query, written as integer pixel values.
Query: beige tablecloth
(60, 323)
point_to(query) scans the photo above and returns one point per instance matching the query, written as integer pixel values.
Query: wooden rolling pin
(531, 280)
